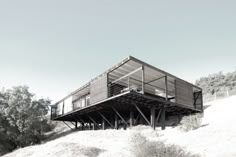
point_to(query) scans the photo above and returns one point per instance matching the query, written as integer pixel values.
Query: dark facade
(130, 93)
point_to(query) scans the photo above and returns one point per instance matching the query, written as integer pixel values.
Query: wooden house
(131, 92)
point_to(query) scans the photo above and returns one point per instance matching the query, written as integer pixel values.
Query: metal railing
(124, 85)
(130, 83)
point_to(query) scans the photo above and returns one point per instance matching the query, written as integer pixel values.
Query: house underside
(130, 93)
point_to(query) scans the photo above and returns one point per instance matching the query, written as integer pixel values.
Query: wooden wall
(184, 93)
(98, 89)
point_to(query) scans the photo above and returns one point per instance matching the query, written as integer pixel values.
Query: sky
(56, 46)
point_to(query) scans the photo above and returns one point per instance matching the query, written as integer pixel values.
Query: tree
(218, 82)
(23, 118)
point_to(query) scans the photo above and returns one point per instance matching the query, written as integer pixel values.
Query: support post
(136, 119)
(163, 118)
(82, 126)
(120, 116)
(166, 88)
(143, 79)
(152, 117)
(63, 106)
(131, 120)
(103, 124)
(67, 125)
(94, 122)
(142, 114)
(76, 125)
(116, 121)
(163, 111)
(201, 101)
(128, 83)
(105, 119)
(79, 119)
(158, 115)
(93, 126)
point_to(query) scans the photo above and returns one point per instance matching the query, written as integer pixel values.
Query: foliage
(191, 122)
(217, 82)
(141, 147)
(22, 118)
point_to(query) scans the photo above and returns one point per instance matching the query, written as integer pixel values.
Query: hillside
(216, 138)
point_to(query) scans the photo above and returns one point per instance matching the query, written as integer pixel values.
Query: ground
(215, 138)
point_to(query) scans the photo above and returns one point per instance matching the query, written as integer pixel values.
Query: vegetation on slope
(138, 141)
(218, 82)
(141, 147)
(191, 122)
(22, 117)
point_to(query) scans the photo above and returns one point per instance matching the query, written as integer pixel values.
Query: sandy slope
(82, 143)
(216, 138)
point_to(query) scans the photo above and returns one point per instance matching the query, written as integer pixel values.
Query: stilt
(82, 126)
(116, 121)
(163, 111)
(105, 119)
(136, 119)
(94, 122)
(142, 114)
(76, 125)
(118, 114)
(93, 125)
(103, 124)
(152, 117)
(131, 121)
(179, 118)
(163, 118)
(124, 126)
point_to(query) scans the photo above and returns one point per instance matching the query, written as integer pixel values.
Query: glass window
(82, 102)
(87, 100)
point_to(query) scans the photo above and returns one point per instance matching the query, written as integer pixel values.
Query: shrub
(191, 122)
(141, 147)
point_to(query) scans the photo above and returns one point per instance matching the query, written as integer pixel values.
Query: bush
(141, 147)
(191, 122)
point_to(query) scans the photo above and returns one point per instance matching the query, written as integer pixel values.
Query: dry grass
(191, 122)
(141, 147)
(216, 137)
(140, 141)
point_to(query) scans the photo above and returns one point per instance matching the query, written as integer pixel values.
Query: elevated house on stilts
(130, 93)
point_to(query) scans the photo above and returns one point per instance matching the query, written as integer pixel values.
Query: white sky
(56, 46)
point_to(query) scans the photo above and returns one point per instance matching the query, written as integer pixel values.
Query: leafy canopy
(23, 118)
(217, 82)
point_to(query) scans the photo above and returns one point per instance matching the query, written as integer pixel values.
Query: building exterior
(132, 92)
